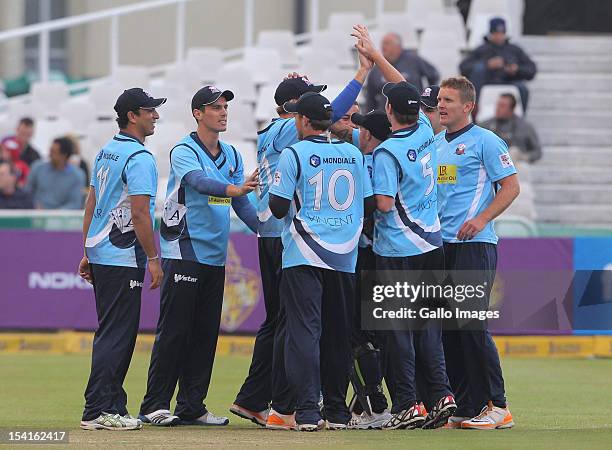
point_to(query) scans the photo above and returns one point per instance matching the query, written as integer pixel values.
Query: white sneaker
(160, 418)
(407, 419)
(490, 418)
(369, 422)
(334, 426)
(113, 422)
(208, 419)
(311, 426)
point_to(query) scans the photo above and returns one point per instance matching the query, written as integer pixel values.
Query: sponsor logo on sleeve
(277, 178)
(506, 160)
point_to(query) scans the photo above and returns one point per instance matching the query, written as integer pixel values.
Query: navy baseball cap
(312, 105)
(292, 88)
(376, 122)
(497, 25)
(209, 95)
(135, 98)
(429, 96)
(403, 97)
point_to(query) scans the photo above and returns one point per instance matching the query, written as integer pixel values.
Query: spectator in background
(20, 168)
(12, 196)
(520, 136)
(497, 61)
(19, 143)
(77, 160)
(407, 62)
(56, 184)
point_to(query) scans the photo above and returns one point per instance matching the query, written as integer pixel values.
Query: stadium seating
(282, 41)
(562, 172)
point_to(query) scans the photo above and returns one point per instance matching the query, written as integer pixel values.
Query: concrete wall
(11, 52)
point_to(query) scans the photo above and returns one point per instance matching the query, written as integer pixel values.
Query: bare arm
(366, 47)
(143, 226)
(509, 190)
(90, 205)
(384, 203)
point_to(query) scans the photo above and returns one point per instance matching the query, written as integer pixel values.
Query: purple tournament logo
(412, 154)
(315, 161)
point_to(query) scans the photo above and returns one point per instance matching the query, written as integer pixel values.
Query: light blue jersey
(327, 183)
(195, 227)
(123, 167)
(468, 168)
(364, 240)
(405, 168)
(280, 134)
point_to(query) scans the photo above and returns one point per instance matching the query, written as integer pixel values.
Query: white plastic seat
(207, 61)
(248, 151)
(313, 62)
(46, 131)
(103, 96)
(448, 24)
(420, 8)
(486, 7)
(49, 95)
(263, 63)
(340, 42)
(488, 99)
(344, 21)
(265, 108)
(80, 112)
(99, 132)
(162, 141)
(443, 41)
(282, 41)
(243, 114)
(185, 76)
(401, 24)
(132, 76)
(237, 77)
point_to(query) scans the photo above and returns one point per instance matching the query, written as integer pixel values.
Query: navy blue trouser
(472, 360)
(317, 346)
(402, 348)
(186, 337)
(117, 291)
(256, 391)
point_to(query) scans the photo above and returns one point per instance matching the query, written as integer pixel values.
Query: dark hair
(27, 121)
(405, 119)
(122, 118)
(66, 146)
(322, 125)
(510, 97)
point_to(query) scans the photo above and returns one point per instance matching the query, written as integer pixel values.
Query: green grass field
(556, 404)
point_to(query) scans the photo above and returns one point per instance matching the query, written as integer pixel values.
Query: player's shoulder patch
(506, 160)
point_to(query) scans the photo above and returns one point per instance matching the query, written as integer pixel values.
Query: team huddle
(333, 202)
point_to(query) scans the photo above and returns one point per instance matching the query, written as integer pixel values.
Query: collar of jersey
(405, 132)
(320, 139)
(196, 138)
(128, 135)
(450, 136)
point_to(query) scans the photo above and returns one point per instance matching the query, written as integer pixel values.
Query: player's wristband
(153, 259)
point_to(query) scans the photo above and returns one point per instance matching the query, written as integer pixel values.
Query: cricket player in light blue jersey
(477, 181)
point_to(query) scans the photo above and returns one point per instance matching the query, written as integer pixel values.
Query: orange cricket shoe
(278, 421)
(490, 418)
